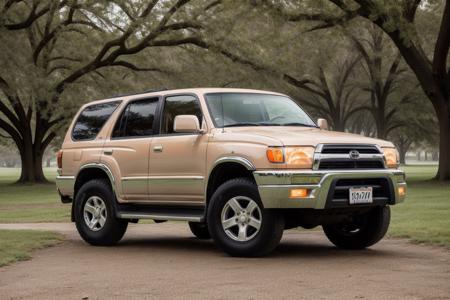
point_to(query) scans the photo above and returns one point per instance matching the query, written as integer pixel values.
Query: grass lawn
(423, 217)
(16, 245)
(30, 203)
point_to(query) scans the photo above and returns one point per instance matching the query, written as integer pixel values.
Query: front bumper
(275, 185)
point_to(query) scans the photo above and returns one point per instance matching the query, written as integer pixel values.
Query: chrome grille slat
(337, 157)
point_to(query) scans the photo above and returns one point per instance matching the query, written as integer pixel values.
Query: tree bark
(402, 157)
(444, 145)
(32, 171)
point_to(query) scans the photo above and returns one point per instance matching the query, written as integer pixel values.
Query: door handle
(108, 152)
(158, 148)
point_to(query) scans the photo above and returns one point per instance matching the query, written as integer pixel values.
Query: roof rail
(138, 93)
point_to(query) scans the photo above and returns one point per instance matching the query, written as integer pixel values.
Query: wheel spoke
(102, 221)
(242, 236)
(92, 223)
(251, 207)
(98, 202)
(254, 223)
(234, 204)
(89, 208)
(229, 223)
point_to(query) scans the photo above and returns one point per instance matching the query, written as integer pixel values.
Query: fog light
(299, 193)
(402, 190)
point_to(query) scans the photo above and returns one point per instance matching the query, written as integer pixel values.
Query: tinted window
(137, 119)
(92, 119)
(179, 105)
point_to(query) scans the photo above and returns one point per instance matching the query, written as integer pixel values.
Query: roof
(202, 91)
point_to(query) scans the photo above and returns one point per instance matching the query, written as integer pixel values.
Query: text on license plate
(360, 195)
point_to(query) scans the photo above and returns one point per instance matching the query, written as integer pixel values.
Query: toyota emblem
(354, 154)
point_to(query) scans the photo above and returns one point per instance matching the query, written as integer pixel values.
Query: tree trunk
(402, 153)
(444, 145)
(32, 171)
(418, 155)
(426, 155)
(48, 162)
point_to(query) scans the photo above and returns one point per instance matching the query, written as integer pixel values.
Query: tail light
(59, 156)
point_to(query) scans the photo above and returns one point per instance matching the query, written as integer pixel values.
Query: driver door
(178, 160)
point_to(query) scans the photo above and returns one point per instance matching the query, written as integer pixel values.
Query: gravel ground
(165, 261)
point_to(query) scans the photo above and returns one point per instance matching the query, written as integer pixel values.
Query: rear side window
(136, 119)
(179, 105)
(92, 119)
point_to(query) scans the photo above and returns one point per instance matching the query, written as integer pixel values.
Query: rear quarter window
(91, 120)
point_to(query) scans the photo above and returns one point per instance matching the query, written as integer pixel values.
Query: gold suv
(239, 165)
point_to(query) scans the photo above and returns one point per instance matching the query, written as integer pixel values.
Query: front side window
(245, 109)
(92, 119)
(179, 105)
(136, 119)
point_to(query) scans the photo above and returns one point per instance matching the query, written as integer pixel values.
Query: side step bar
(174, 213)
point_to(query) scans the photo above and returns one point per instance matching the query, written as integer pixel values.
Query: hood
(306, 136)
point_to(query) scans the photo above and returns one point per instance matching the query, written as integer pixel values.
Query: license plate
(361, 195)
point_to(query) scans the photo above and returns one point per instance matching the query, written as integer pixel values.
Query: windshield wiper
(299, 124)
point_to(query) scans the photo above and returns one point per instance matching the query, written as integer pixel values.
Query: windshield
(243, 109)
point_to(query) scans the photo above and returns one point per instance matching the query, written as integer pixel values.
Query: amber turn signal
(275, 155)
(401, 191)
(299, 193)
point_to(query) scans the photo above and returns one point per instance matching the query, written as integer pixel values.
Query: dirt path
(165, 261)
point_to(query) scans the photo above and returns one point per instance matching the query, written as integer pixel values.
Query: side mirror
(323, 124)
(186, 124)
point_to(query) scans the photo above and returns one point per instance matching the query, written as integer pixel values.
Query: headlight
(391, 157)
(294, 157)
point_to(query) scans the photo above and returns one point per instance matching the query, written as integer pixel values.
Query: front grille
(344, 164)
(345, 149)
(340, 191)
(337, 157)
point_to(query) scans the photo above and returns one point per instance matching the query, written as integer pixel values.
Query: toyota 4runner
(239, 165)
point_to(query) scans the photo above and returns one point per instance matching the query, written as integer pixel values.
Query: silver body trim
(65, 185)
(318, 156)
(237, 159)
(274, 185)
(159, 217)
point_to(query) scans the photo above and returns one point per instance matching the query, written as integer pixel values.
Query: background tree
(48, 47)
(397, 20)
(332, 94)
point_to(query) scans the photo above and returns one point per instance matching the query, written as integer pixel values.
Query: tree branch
(32, 16)
(133, 67)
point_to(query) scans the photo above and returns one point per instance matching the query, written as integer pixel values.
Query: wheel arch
(92, 171)
(227, 168)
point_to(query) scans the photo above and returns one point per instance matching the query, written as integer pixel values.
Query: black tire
(271, 226)
(113, 228)
(200, 230)
(365, 230)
